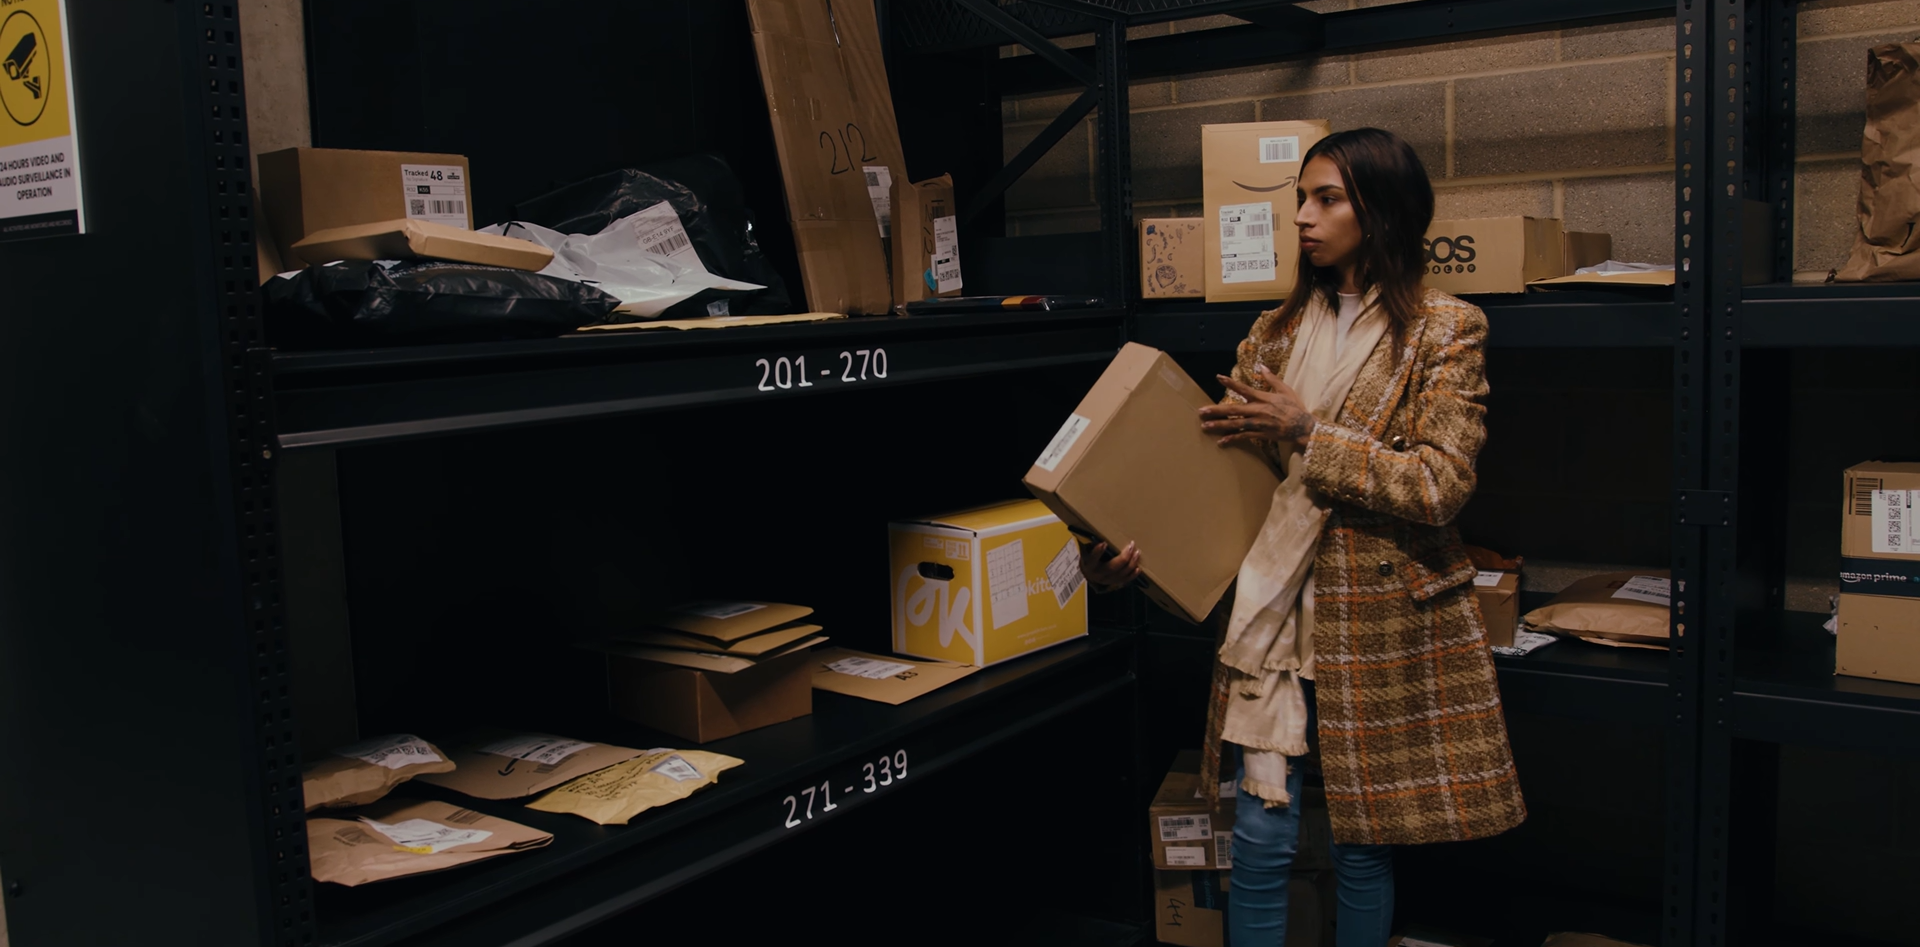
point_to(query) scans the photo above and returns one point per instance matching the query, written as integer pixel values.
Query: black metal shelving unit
(154, 427)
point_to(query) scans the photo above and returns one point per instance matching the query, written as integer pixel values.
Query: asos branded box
(982, 586)
(1493, 254)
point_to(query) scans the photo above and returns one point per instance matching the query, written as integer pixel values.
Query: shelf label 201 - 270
(816, 801)
(784, 373)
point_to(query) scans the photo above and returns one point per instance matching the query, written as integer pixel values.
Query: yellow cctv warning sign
(39, 169)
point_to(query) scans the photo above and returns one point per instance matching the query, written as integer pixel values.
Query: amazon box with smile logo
(1249, 172)
(983, 586)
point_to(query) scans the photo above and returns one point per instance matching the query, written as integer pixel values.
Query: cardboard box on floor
(810, 55)
(1248, 175)
(1172, 258)
(1879, 573)
(986, 585)
(307, 190)
(1493, 254)
(926, 245)
(1190, 908)
(1185, 833)
(1132, 465)
(1499, 595)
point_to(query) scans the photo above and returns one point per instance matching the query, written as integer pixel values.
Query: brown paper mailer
(405, 239)
(616, 794)
(822, 146)
(1639, 278)
(916, 206)
(1887, 244)
(363, 772)
(522, 763)
(922, 676)
(702, 706)
(1132, 465)
(726, 621)
(716, 322)
(701, 660)
(763, 644)
(1601, 606)
(352, 852)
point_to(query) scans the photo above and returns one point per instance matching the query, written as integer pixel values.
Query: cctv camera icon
(20, 60)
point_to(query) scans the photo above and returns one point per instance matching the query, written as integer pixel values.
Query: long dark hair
(1394, 203)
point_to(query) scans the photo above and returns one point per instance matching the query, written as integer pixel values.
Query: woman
(1355, 605)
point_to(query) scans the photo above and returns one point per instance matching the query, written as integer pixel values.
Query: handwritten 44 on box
(985, 585)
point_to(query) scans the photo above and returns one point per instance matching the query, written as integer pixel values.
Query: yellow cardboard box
(985, 585)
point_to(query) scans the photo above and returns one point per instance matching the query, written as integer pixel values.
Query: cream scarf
(1269, 643)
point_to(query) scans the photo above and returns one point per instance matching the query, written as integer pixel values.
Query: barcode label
(1259, 230)
(667, 247)
(1184, 828)
(435, 193)
(1223, 851)
(1280, 150)
(657, 229)
(1863, 488)
(1246, 243)
(1186, 856)
(1893, 528)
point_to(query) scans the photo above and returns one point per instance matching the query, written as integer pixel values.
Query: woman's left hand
(1274, 415)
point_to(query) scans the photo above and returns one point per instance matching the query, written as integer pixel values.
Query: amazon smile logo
(1266, 190)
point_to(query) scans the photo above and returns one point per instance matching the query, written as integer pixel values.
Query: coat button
(1386, 568)
(1399, 443)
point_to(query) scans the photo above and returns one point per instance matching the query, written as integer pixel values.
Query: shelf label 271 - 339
(864, 778)
(789, 372)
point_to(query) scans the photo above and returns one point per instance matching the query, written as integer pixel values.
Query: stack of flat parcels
(707, 670)
(613, 796)
(508, 764)
(400, 837)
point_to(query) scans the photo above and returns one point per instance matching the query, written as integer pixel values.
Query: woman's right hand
(1108, 574)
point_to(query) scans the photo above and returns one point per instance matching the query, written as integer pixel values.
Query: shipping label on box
(1878, 509)
(307, 190)
(1250, 173)
(983, 586)
(1171, 255)
(1493, 254)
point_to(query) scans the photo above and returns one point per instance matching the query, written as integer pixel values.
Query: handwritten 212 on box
(986, 585)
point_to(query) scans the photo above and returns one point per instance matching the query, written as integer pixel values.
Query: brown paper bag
(401, 837)
(614, 795)
(1624, 609)
(363, 772)
(503, 764)
(1888, 245)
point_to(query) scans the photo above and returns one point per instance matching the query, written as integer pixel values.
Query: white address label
(1246, 243)
(869, 668)
(392, 752)
(1645, 588)
(423, 837)
(1186, 856)
(1062, 442)
(435, 193)
(1184, 828)
(1893, 529)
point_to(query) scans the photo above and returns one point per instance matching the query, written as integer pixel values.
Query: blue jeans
(1264, 843)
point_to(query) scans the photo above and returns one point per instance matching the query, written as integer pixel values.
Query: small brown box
(702, 705)
(1499, 595)
(306, 190)
(1172, 253)
(1493, 254)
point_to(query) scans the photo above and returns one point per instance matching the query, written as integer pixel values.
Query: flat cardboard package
(1586, 249)
(396, 838)
(509, 764)
(1878, 631)
(882, 678)
(1190, 908)
(824, 138)
(986, 585)
(306, 190)
(405, 239)
(1499, 595)
(1248, 173)
(1172, 258)
(1493, 254)
(926, 240)
(1132, 465)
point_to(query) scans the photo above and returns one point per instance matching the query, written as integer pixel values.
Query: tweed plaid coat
(1413, 746)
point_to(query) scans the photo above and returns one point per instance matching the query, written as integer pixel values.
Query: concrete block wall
(1574, 123)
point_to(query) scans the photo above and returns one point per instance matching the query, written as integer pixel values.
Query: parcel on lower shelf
(613, 796)
(1618, 609)
(1131, 465)
(888, 680)
(986, 585)
(363, 772)
(397, 838)
(1187, 833)
(508, 764)
(707, 670)
(1879, 573)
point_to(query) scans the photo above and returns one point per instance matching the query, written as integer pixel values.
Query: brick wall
(1574, 123)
